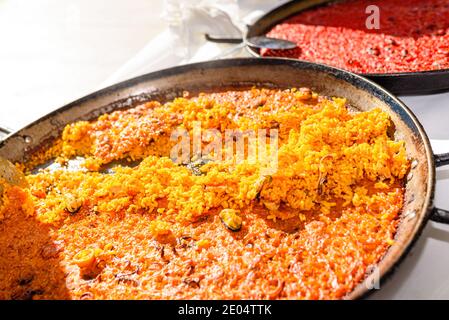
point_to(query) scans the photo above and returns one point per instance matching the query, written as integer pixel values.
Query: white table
(54, 51)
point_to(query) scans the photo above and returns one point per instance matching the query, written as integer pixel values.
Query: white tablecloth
(423, 275)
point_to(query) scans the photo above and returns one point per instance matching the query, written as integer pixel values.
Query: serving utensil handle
(440, 215)
(218, 39)
(4, 132)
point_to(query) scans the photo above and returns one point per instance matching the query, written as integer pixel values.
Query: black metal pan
(404, 83)
(361, 93)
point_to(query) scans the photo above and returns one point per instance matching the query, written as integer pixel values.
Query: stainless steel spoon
(260, 42)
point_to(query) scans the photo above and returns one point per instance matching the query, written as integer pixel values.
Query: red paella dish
(410, 36)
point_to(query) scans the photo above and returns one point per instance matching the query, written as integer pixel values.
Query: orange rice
(309, 230)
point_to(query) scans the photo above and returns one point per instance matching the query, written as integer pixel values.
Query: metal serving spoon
(256, 42)
(260, 42)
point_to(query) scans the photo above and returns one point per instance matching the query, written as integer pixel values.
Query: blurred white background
(53, 51)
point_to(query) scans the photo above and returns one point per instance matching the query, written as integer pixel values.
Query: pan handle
(440, 215)
(441, 159)
(4, 132)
